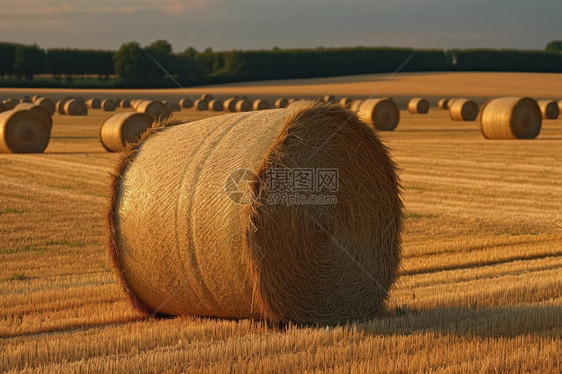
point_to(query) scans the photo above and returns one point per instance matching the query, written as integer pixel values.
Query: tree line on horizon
(157, 65)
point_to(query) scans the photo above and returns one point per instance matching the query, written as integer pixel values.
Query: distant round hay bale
(216, 106)
(243, 105)
(206, 97)
(331, 99)
(26, 99)
(186, 103)
(201, 104)
(125, 103)
(443, 104)
(46, 103)
(117, 102)
(463, 110)
(355, 104)
(291, 100)
(549, 109)
(35, 97)
(59, 106)
(108, 105)
(135, 103)
(3, 107)
(11, 102)
(345, 102)
(37, 111)
(172, 106)
(230, 104)
(153, 108)
(22, 132)
(281, 103)
(260, 104)
(418, 105)
(382, 113)
(75, 108)
(123, 128)
(511, 118)
(297, 104)
(224, 248)
(93, 103)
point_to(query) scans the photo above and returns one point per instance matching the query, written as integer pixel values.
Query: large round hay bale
(281, 103)
(463, 110)
(75, 108)
(230, 104)
(243, 105)
(206, 97)
(46, 103)
(186, 103)
(201, 104)
(224, 248)
(108, 105)
(331, 99)
(22, 132)
(382, 113)
(418, 105)
(443, 104)
(38, 111)
(345, 102)
(216, 106)
(355, 104)
(155, 109)
(549, 109)
(260, 104)
(123, 128)
(125, 103)
(172, 106)
(511, 118)
(93, 103)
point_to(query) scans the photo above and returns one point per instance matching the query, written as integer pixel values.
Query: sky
(264, 24)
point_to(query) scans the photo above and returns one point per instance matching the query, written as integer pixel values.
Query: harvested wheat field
(479, 288)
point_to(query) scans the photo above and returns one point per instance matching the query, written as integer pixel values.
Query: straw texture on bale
(206, 97)
(230, 104)
(345, 102)
(155, 109)
(418, 105)
(125, 103)
(46, 103)
(281, 103)
(511, 118)
(260, 104)
(216, 106)
(93, 103)
(123, 128)
(172, 106)
(215, 255)
(37, 111)
(186, 103)
(22, 132)
(382, 113)
(243, 105)
(463, 110)
(108, 105)
(201, 104)
(549, 109)
(443, 104)
(75, 108)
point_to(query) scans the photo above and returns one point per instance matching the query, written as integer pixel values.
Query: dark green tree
(554, 46)
(127, 61)
(28, 61)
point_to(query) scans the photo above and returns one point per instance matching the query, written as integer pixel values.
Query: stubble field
(480, 285)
